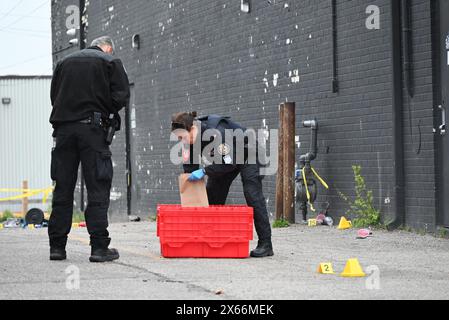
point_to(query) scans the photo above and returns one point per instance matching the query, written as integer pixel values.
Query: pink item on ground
(320, 218)
(364, 233)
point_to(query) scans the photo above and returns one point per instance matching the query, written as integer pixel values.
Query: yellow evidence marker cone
(344, 224)
(31, 226)
(75, 225)
(1, 226)
(312, 222)
(326, 268)
(353, 269)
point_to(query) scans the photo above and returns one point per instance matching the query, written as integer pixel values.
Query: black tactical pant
(85, 143)
(218, 189)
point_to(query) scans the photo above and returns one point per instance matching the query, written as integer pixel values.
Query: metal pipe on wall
(398, 140)
(407, 45)
(335, 88)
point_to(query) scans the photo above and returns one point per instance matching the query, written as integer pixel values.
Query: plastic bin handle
(216, 245)
(221, 244)
(175, 245)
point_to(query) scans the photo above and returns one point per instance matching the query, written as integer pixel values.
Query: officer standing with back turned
(88, 90)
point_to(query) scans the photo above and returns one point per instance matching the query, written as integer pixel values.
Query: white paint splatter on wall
(115, 196)
(265, 81)
(294, 76)
(275, 79)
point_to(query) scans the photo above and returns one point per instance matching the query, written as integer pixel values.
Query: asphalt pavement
(399, 265)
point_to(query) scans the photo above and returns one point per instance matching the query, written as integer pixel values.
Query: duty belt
(86, 121)
(99, 122)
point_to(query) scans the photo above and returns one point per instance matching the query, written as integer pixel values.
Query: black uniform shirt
(227, 153)
(85, 82)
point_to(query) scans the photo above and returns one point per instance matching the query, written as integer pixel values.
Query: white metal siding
(25, 135)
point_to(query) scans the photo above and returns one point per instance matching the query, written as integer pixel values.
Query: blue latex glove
(298, 173)
(197, 175)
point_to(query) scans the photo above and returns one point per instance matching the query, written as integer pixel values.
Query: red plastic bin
(206, 232)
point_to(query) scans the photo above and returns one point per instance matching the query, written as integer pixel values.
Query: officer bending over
(87, 88)
(221, 175)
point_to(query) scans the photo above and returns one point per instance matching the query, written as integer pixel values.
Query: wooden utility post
(289, 162)
(25, 201)
(285, 183)
(280, 173)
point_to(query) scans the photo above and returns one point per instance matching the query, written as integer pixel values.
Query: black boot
(264, 249)
(57, 254)
(103, 255)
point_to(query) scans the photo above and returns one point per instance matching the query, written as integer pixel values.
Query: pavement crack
(164, 278)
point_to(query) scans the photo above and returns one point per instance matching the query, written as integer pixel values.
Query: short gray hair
(103, 41)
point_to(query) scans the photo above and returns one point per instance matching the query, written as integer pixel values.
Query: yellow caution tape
(307, 189)
(27, 193)
(319, 178)
(46, 193)
(24, 190)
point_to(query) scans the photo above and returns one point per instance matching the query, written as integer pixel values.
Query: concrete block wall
(211, 57)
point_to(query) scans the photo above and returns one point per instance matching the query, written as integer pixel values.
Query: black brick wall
(210, 57)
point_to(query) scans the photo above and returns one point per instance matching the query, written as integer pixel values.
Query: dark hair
(183, 120)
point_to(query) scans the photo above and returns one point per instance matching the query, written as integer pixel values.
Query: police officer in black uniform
(87, 88)
(222, 174)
